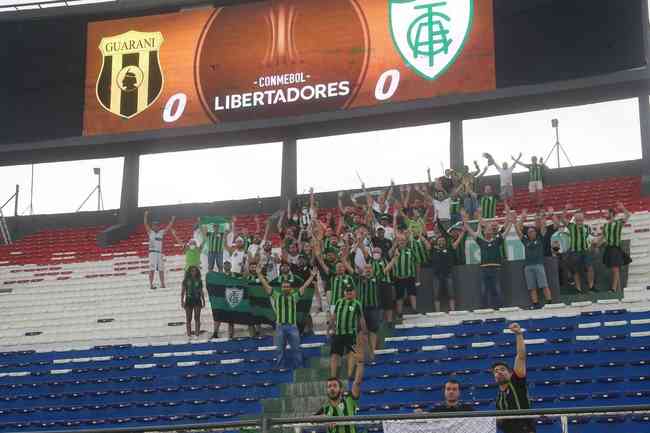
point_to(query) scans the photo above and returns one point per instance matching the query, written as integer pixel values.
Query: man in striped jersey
(513, 389)
(340, 403)
(580, 258)
(535, 177)
(214, 240)
(404, 267)
(284, 303)
(613, 256)
(488, 203)
(368, 290)
(384, 283)
(346, 338)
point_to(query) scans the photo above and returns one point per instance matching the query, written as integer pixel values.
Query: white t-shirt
(377, 207)
(442, 208)
(253, 248)
(505, 175)
(156, 240)
(237, 259)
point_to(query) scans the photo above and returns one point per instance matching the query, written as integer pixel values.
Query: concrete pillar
(289, 186)
(456, 144)
(130, 185)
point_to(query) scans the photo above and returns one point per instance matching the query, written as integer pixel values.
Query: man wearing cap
(156, 258)
(348, 320)
(382, 242)
(513, 389)
(384, 223)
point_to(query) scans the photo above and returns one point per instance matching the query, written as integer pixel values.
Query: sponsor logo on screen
(131, 78)
(430, 35)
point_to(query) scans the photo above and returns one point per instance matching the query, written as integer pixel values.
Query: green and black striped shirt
(347, 314)
(536, 173)
(613, 233)
(454, 206)
(338, 284)
(488, 204)
(379, 270)
(579, 235)
(215, 242)
(347, 407)
(368, 292)
(405, 264)
(285, 307)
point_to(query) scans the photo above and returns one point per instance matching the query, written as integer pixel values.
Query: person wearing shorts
(156, 257)
(535, 177)
(443, 259)
(404, 269)
(369, 296)
(384, 284)
(192, 299)
(348, 320)
(534, 263)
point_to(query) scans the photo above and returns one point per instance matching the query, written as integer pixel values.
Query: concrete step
(300, 404)
(303, 389)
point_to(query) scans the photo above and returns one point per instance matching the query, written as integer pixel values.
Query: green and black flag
(236, 300)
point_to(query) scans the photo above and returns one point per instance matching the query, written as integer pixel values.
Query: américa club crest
(131, 78)
(430, 34)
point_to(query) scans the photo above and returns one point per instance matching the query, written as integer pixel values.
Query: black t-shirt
(550, 231)
(515, 397)
(384, 244)
(460, 407)
(442, 261)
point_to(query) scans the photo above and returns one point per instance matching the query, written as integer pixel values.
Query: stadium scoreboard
(286, 59)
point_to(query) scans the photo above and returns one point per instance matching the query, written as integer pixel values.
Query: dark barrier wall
(513, 284)
(536, 41)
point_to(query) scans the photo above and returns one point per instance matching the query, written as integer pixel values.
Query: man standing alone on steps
(156, 257)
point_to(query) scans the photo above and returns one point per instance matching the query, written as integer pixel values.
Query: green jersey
(285, 307)
(536, 172)
(192, 257)
(454, 205)
(405, 264)
(379, 270)
(193, 288)
(215, 242)
(420, 250)
(613, 233)
(579, 235)
(416, 225)
(347, 314)
(338, 284)
(348, 407)
(368, 292)
(488, 205)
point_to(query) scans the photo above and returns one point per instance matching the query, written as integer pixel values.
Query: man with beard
(343, 404)
(513, 389)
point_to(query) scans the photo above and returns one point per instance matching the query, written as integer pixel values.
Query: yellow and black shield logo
(131, 78)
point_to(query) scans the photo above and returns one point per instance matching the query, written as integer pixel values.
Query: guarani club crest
(234, 296)
(130, 79)
(430, 34)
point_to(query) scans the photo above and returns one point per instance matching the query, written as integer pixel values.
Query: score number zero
(176, 104)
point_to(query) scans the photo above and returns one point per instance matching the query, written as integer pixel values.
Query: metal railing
(268, 425)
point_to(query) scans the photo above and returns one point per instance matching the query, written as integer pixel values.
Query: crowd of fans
(367, 259)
